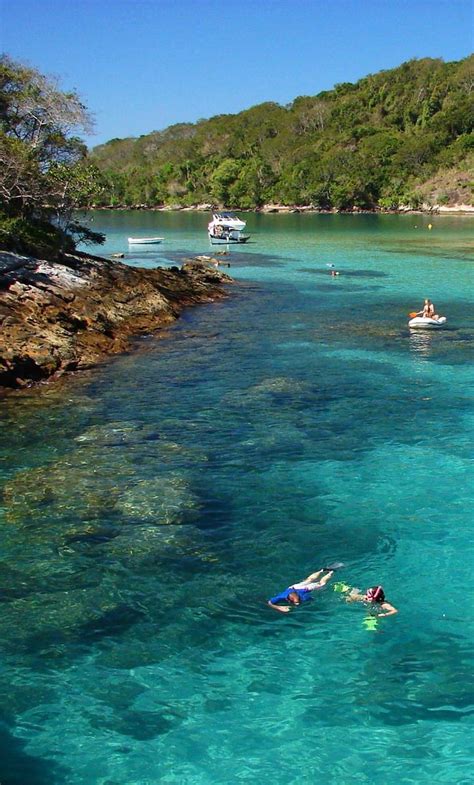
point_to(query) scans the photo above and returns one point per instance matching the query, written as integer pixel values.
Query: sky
(142, 65)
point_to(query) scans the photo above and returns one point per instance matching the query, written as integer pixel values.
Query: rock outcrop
(58, 317)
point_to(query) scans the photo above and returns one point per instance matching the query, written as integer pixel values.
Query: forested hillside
(398, 137)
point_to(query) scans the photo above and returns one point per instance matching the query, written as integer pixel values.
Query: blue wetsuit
(303, 594)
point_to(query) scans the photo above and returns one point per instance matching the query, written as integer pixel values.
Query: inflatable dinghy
(426, 323)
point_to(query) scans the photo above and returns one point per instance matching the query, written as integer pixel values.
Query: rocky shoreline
(66, 316)
(437, 209)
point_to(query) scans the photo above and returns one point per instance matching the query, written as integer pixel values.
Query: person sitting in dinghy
(429, 311)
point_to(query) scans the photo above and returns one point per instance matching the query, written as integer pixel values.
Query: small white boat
(426, 323)
(226, 228)
(145, 240)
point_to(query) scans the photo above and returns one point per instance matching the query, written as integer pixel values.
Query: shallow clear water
(151, 506)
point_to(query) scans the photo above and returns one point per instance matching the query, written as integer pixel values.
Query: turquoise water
(151, 506)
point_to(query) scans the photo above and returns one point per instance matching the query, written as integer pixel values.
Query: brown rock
(58, 317)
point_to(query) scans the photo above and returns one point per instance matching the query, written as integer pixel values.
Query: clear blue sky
(141, 65)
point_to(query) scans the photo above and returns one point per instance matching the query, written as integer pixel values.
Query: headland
(68, 315)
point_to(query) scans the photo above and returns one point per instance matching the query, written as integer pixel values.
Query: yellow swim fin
(370, 623)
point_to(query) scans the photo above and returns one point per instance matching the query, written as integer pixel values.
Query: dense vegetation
(399, 137)
(396, 137)
(44, 170)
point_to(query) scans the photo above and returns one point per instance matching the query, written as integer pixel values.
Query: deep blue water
(151, 506)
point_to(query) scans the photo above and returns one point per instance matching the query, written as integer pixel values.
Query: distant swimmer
(301, 592)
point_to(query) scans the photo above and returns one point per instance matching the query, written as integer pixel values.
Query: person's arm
(389, 608)
(280, 608)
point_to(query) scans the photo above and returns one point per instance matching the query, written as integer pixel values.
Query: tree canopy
(44, 169)
(373, 143)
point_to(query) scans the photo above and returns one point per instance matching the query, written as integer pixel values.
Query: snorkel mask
(375, 594)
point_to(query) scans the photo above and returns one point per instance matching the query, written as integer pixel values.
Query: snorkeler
(301, 592)
(375, 595)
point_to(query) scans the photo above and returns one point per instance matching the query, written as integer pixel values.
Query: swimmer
(375, 595)
(301, 592)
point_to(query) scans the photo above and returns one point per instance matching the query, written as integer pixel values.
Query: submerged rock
(117, 433)
(269, 391)
(94, 481)
(58, 317)
(163, 500)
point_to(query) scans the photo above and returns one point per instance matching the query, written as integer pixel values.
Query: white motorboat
(226, 228)
(145, 240)
(427, 323)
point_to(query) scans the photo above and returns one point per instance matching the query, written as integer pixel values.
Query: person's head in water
(375, 594)
(294, 598)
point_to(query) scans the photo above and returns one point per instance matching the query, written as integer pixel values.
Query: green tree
(44, 171)
(222, 179)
